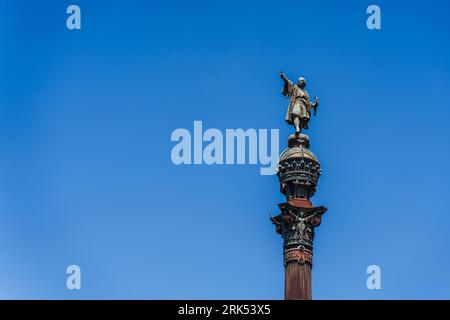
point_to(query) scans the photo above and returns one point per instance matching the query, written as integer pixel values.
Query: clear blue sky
(86, 176)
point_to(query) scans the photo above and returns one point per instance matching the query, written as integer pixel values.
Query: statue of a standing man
(299, 110)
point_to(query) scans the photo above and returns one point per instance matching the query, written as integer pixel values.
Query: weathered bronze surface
(298, 169)
(299, 109)
(296, 226)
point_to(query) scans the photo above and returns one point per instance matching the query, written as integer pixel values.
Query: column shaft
(297, 282)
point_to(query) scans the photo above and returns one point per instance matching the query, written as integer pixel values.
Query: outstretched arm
(283, 77)
(287, 85)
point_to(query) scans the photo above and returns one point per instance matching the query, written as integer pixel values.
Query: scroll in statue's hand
(316, 103)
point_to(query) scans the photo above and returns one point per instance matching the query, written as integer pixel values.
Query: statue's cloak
(299, 102)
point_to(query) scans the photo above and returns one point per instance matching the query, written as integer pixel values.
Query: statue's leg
(297, 125)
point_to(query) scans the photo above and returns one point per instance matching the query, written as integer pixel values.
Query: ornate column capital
(296, 226)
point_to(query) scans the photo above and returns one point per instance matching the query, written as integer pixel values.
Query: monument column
(298, 174)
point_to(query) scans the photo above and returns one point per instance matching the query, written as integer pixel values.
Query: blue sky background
(86, 176)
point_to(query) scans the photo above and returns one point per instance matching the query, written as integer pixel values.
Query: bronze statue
(299, 110)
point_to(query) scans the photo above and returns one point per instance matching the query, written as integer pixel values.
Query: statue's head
(301, 82)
